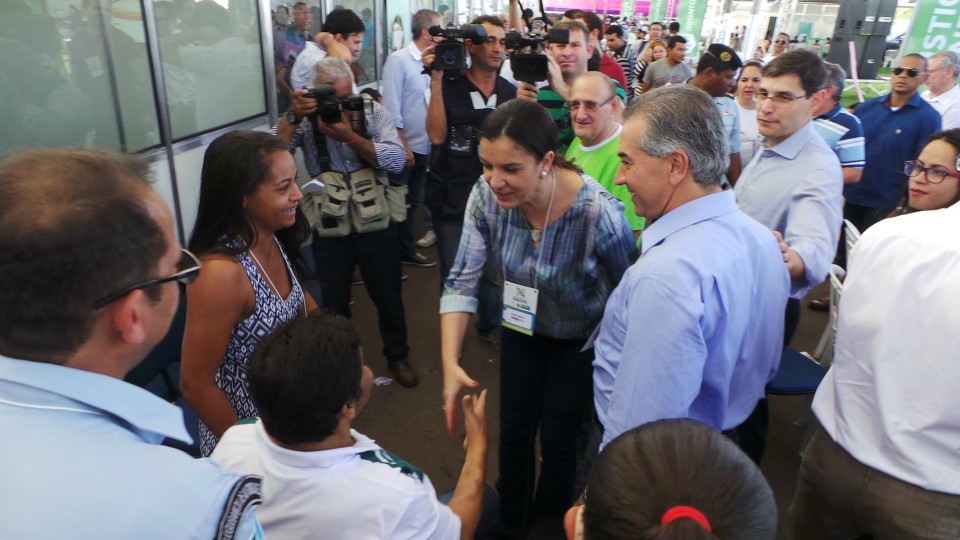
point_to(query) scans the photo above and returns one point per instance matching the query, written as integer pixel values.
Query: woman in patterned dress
(248, 233)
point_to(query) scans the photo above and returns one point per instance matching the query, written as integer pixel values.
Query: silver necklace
(537, 234)
(270, 281)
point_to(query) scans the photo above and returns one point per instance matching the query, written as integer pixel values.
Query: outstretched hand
(475, 418)
(455, 378)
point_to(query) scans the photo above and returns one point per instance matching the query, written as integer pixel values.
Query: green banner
(627, 8)
(690, 16)
(936, 27)
(658, 8)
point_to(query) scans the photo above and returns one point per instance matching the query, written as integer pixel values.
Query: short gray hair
(331, 70)
(422, 19)
(683, 117)
(836, 77)
(949, 60)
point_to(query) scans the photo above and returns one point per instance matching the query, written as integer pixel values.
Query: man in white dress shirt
(885, 463)
(942, 91)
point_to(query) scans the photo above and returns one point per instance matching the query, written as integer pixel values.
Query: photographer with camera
(457, 107)
(350, 143)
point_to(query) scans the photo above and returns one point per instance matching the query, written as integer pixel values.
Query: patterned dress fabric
(269, 312)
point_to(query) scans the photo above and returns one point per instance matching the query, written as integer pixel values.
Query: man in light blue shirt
(694, 328)
(80, 456)
(406, 94)
(793, 186)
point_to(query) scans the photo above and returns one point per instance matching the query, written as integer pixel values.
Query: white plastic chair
(824, 350)
(851, 236)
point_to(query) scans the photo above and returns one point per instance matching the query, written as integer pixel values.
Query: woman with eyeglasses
(747, 85)
(248, 233)
(935, 175)
(561, 243)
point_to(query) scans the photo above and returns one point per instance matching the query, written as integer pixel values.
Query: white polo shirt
(361, 492)
(947, 104)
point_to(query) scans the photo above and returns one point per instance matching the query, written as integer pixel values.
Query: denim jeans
(546, 386)
(489, 512)
(378, 255)
(489, 311)
(413, 178)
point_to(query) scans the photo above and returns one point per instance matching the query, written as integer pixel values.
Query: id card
(519, 307)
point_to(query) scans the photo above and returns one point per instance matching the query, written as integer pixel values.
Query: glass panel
(60, 75)
(212, 63)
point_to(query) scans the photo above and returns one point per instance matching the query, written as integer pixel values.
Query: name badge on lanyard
(519, 307)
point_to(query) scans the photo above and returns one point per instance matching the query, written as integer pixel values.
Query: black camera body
(528, 59)
(330, 106)
(451, 53)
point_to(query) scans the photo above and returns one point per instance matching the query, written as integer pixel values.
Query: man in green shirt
(595, 112)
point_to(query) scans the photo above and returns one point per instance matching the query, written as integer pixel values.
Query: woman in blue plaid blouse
(561, 243)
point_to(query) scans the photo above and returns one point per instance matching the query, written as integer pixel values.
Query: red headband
(678, 512)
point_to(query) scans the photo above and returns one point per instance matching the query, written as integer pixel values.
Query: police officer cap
(726, 55)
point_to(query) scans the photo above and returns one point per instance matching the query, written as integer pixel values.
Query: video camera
(330, 106)
(527, 59)
(451, 53)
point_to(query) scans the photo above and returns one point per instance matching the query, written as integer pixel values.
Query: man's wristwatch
(292, 118)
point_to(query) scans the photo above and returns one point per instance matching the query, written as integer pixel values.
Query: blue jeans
(546, 385)
(378, 255)
(489, 513)
(413, 178)
(448, 242)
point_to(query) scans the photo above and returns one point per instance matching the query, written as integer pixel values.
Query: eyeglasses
(190, 268)
(911, 72)
(781, 41)
(589, 106)
(934, 176)
(779, 99)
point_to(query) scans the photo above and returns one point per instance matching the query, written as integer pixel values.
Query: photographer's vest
(356, 202)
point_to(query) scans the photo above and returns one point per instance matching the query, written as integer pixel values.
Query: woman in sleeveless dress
(248, 233)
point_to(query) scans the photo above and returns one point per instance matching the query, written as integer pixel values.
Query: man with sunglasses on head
(896, 126)
(81, 453)
(794, 187)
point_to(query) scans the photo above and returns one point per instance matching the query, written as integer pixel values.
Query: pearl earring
(543, 174)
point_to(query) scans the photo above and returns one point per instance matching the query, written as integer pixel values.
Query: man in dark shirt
(457, 107)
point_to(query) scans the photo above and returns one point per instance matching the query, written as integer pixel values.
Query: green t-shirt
(601, 163)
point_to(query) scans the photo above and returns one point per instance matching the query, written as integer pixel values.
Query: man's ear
(679, 166)
(127, 316)
(340, 38)
(350, 410)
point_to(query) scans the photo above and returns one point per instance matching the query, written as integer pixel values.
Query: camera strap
(358, 122)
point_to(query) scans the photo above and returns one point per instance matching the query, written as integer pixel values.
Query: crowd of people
(633, 235)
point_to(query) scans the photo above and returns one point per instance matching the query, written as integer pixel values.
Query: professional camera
(527, 59)
(451, 53)
(329, 105)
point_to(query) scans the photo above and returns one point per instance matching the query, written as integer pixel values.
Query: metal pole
(266, 50)
(106, 27)
(162, 105)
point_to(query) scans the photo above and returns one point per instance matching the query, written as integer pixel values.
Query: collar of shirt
(792, 145)
(318, 458)
(415, 52)
(691, 213)
(949, 95)
(914, 101)
(58, 386)
(832, 113)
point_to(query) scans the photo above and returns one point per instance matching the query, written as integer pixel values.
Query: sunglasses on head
(911, 72)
